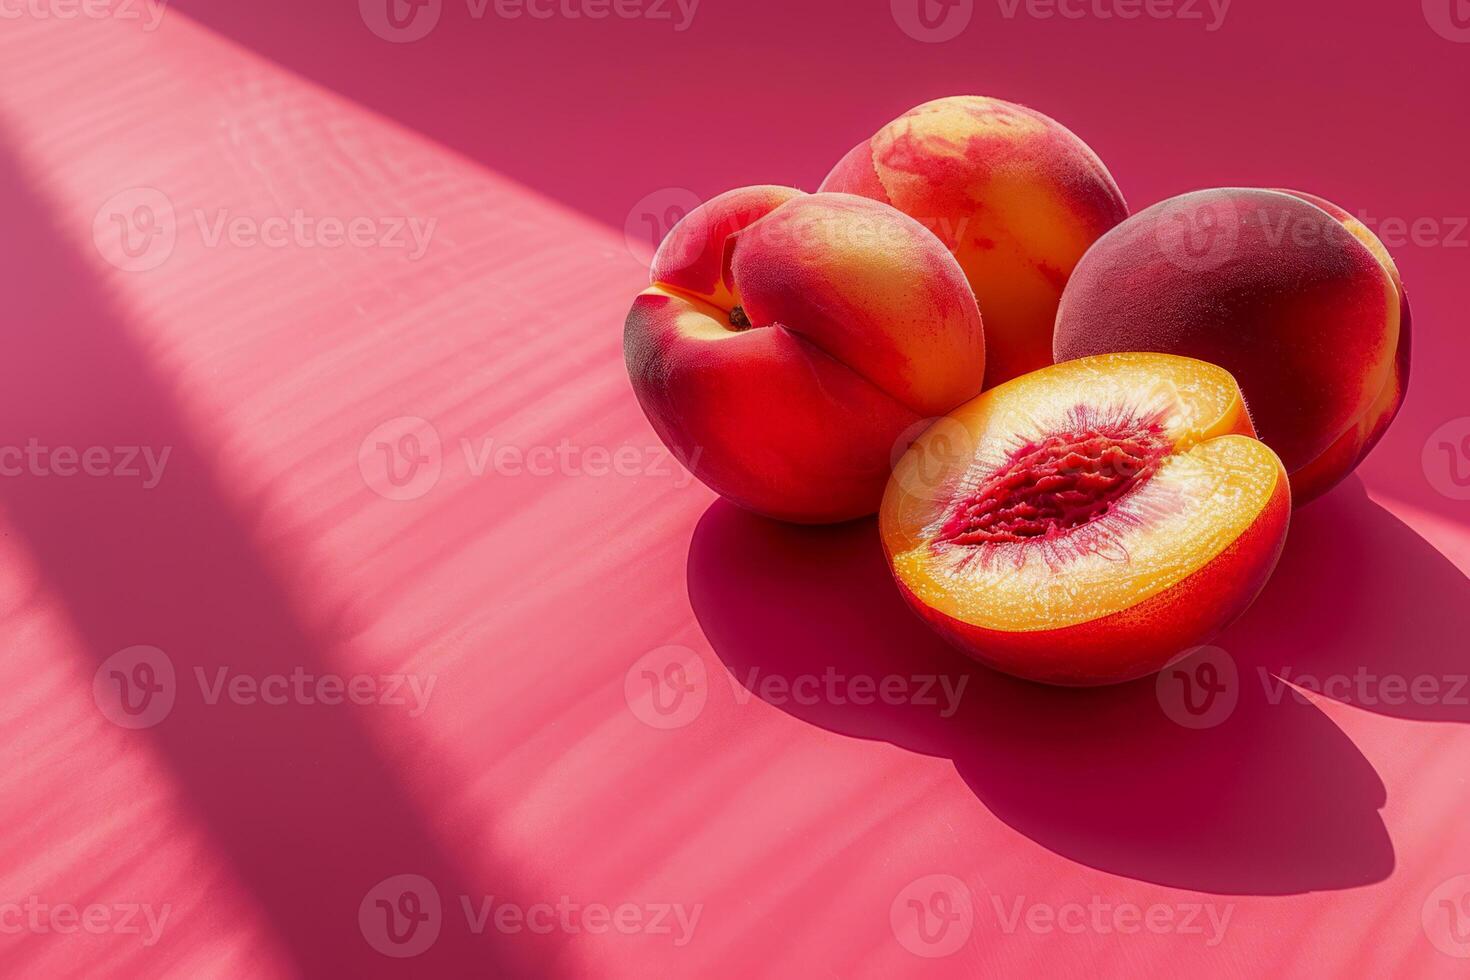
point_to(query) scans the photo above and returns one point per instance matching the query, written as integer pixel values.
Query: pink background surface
(1326, 828)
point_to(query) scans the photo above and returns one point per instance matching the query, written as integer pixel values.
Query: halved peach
(1090, 522)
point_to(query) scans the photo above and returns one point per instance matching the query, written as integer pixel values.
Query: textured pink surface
(537, 772)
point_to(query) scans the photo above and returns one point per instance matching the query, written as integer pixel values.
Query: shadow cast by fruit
(1362, 610)
(1274, 799)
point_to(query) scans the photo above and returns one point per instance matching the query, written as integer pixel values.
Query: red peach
(1013, 194)
(1270, 286)
(789, 341)
(1354, 445)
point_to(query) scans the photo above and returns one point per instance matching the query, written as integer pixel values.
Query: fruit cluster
(1083, 432)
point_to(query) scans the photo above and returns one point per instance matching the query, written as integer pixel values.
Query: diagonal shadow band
(1275, 800)
(298, 797)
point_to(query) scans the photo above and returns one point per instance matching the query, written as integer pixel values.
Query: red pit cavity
(1048, 488)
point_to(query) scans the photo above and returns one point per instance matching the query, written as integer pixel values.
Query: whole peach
(1358, 440)
(789, 342)
(1285, 295)
(1012, 193)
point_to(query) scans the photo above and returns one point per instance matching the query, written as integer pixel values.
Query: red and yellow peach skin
(789, 341)
(1354, 445)
(1099, 519)
(1293, 301)
(1013, 194)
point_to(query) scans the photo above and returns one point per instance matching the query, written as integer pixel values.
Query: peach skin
(1354, 445)
(1088, 523)
(1300, 308)
(1012, 193)
(790, 341)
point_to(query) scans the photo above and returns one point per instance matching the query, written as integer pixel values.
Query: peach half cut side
(1091, 522)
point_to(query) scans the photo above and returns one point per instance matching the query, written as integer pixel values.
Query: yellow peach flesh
(1211, 487)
